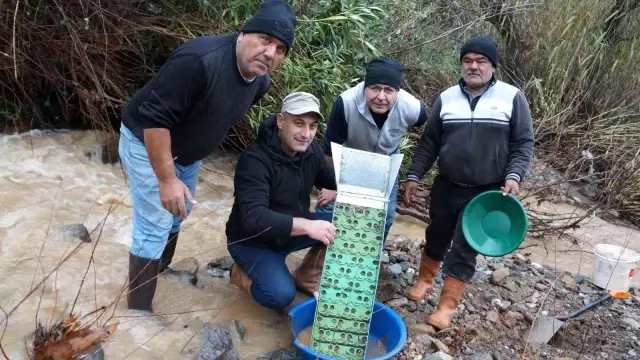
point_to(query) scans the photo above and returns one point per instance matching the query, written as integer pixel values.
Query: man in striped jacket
(481, 132)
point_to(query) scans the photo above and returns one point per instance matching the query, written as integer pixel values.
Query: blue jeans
(152, 223)
(391, 210)
(273, 285)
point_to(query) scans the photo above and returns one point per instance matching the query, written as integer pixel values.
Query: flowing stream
(47, 181)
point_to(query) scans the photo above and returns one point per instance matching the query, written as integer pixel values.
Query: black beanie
(484, 45)
(275, 17)
(385, 70)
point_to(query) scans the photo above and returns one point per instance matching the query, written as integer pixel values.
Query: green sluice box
(350, 273)
(348, 283)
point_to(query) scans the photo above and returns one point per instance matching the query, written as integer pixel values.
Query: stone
(396, 303)
(395, 269)
(511, 286)
(423, 340)
(540, 287)
(411, 306)
(580, 279)
(184, 276)
(409, 275)
(385, 258)
(218, 345)
(421, 328)
(400, 256)
(568, 281)
(481, 356)
(585, 288)
(533, 299)
(439, 278)
(386, 291)
(440, 346)
(504, 305)
(189, 265)
(520, 257)
(496, 266)
(76, 231)
(499, 276)
(224, 262)
(493, 316)
(633, 324)
(236, 330)
(280, 354)
(216, 272)
(438, 356)
(512, 318)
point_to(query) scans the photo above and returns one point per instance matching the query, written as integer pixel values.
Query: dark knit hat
(385, 70)
(484, 45)
(275, 17)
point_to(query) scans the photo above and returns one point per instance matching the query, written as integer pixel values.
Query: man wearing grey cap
(270, 218)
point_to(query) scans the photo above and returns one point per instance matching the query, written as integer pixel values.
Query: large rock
(218, 345)
(76, 231)
(224, 262)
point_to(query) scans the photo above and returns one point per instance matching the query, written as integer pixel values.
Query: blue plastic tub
(386, 326)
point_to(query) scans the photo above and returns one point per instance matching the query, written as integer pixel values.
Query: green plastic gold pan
(494, 224)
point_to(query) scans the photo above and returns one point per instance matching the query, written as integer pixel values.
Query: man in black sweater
(270, 217)
(178, 118)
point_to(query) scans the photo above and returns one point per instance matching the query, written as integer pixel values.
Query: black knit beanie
(385, 70)
(484, 45)
(275, 17)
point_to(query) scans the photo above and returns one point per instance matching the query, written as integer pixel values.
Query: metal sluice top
(352, 263)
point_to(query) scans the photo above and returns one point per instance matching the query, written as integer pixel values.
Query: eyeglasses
(388, 90)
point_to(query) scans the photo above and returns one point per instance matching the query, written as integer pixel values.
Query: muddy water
(375, 348)
(47, 181)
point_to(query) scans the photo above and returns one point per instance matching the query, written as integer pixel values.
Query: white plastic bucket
(614, 267)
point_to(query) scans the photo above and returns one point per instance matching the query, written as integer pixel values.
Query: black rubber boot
(167, 254)
(142, 282)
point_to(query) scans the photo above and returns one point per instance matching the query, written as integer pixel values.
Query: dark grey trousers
(448, 201)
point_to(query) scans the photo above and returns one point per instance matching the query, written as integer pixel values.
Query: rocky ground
(499, 306)
(497, 311)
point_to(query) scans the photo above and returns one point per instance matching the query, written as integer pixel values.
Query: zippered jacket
(271, 188)
(477, 142)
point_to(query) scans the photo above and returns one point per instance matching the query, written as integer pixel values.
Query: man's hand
(325, 196)
(510, 187)
(321, 230)
(172, 194)
(410, 191)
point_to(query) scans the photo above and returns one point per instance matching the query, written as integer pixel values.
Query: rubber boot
(450, 296)
(307, 276)
(240, 279)
(167, 253)
(426, 275)
(142, 282)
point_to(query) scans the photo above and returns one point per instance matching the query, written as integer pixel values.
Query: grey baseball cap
(300, 102)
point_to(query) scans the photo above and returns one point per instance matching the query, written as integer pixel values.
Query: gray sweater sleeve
(428, 147)
(521, 148)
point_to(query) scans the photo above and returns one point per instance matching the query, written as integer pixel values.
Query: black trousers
(448, 201)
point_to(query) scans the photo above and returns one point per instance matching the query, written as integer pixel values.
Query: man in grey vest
(371, 116)
(481, 132)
